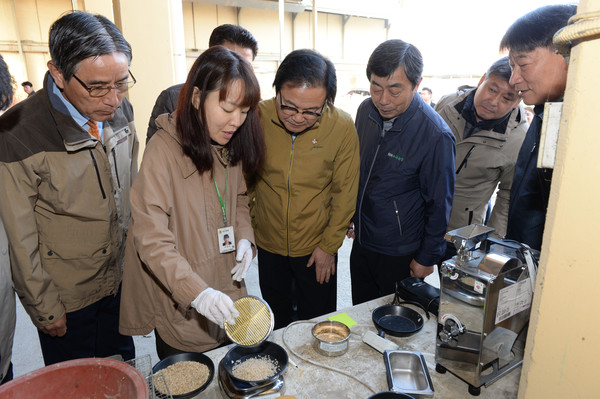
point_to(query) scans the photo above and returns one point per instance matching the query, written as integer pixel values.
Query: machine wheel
(475, 391)
(440, 369)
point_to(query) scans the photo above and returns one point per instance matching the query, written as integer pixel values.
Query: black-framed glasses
(101, 91)
(292, 111)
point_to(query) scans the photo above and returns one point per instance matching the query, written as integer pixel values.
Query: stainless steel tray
(407, 373)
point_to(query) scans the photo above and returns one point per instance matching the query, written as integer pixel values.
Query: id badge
(226, 239)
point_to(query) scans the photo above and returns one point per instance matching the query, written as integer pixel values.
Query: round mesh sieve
(253, 325)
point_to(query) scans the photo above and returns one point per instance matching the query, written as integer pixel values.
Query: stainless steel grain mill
(485, 299)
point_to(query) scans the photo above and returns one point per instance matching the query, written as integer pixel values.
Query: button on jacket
(64, 203)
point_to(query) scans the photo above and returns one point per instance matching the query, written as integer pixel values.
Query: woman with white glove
(188, 206)
(243, 258)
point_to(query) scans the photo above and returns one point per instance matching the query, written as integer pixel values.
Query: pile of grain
(255, 368)
(182, 378)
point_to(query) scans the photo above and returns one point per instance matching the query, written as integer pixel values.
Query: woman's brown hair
(215, 70)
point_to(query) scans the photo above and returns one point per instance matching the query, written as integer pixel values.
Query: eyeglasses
(101, 91)
(292, 111)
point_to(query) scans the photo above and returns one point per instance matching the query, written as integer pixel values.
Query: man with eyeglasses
(302, 200)
(68, 156)
(406, 185)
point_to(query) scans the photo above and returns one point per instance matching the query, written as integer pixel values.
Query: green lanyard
(223, 201)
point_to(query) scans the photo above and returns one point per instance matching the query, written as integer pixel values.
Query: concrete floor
(27, 355)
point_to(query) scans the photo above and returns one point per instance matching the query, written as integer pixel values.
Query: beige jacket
(64, 202)
(485, 162)
(172, 252)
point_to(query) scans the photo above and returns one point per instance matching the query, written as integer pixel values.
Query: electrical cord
(283, 337)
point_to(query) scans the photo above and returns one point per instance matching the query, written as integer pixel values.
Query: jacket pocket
(397, 217)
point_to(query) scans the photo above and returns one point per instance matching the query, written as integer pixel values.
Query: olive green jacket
(305, 195)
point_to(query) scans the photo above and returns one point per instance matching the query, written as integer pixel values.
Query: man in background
(406, 177)
(300, 203)
(489, 126)
(426, 95)
(68, 156)
(28, 88)
(235, 38)
(539, 73)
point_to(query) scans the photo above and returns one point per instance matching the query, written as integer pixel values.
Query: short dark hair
(427, 89)
(537, 28)
(500, 69)
(234, 34)
(307, 67)
(390, 55)
(26, 83)
(215, 70)
(78, 35)
(7, 85)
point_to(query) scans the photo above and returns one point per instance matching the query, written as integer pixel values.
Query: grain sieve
(253, 325)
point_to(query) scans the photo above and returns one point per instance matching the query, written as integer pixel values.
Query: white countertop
(308, 381)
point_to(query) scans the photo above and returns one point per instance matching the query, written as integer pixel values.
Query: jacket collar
(400, 120)
(167, 123)
(73, 135)
(466, 108)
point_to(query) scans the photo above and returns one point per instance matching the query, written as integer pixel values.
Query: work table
(308, 381)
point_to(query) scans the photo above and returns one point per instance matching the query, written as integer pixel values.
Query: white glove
(244, 259)
(215, 306)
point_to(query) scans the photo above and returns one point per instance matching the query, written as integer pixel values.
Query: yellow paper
(343, 318)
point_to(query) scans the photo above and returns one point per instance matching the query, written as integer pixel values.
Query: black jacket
(406, 182)
(165, 104)
(530, 190)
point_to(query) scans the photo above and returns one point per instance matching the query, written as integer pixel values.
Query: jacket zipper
(287, 217)
(398, 217)
(116, 169)
(97, 174)
(464, 161)
(362, 195)
(470, 217)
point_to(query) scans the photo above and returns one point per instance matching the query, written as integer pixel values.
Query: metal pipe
(315, 28)
(281, 26)
(19, 44)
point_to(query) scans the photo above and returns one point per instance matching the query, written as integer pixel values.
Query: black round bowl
(390, 395)
(188, 356)
(266, 348)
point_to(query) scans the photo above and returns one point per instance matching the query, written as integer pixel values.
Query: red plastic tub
(81, 378)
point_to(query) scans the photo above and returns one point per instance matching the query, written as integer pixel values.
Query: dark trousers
(291, 289)
(91, 332)
(163, 349)
(374, 275)
(9, 375)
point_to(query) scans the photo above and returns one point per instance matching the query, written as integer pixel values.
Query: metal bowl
(331, 338)
(188, 356)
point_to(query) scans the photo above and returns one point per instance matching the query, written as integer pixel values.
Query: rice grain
(182, 377)
(255, 369)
